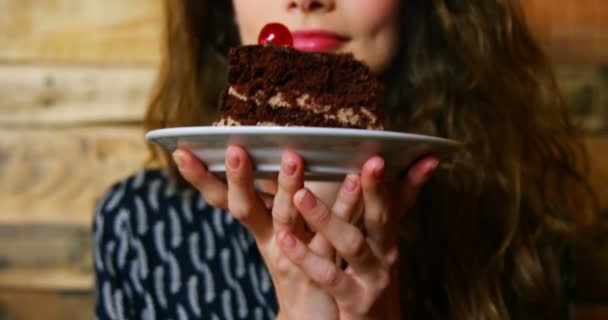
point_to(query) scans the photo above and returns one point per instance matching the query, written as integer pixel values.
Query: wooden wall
(74, 79)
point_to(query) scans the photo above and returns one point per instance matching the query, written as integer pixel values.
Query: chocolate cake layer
(280, 85)
(249, 113)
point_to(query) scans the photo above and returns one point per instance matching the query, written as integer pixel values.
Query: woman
(481, 236)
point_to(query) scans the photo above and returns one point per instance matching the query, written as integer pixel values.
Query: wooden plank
(55, 176)
(33, 305)
(47, 257)
(571, 30)
(73, 95)
(50, 278)
(585, 88)
(109, 31)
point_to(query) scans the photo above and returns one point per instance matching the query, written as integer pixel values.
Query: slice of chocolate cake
(270, 85)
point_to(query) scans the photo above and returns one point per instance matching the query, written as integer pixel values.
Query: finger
(291, 178)
(320, 270)
(346, 207)
(417, 176)
(243, 201)
(321, 247)
(346, 204)
(211, 187)
(347, 239)
(376, 213)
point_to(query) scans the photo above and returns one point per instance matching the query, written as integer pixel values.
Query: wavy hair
(487, 237)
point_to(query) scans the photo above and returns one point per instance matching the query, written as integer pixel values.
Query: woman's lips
(317, 40)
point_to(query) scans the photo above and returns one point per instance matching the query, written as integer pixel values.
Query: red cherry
(275, 33)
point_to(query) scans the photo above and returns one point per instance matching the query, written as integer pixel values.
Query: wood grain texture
(571, 30)
(55, 176)
(36, 305)
(46, 257)
(76, 31)
(43, 95)
(51, 278)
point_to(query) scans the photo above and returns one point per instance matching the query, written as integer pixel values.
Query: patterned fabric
(163, 253)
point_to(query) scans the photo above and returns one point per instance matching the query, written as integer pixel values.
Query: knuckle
(355, 244)
(340, 209)
(322, 215)
(288, 185)
(282, 213)
(380, 218)
(299, 256)
(280, 263)
(234, 177)
(283, 218)
(240, 209)
(329, 276)
(214, 200)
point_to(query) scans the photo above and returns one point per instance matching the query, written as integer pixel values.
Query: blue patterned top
(163, 253)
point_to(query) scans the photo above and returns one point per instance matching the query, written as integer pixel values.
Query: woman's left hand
(368, 287)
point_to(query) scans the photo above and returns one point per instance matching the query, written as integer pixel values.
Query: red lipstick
(317, 40)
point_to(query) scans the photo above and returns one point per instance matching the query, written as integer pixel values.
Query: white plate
(328, 153)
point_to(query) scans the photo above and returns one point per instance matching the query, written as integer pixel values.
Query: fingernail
(423, 172)
(430, 168)
(351, 183)
(180, 161)
(432, 165)
(306, 200)
(287, 240)
(233, 160)
(289, 167)
(379, 171)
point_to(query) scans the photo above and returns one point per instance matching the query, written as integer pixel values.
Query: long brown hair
(487, 236)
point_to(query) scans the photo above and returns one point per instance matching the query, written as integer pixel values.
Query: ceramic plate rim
(182, 132)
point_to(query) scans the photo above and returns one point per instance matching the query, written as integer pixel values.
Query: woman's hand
(368, 287)
(307, 278)
(267, 216)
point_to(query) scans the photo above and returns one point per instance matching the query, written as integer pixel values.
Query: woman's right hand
(269, 217)
(275, 221)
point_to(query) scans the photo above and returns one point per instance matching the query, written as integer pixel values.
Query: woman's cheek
(371, 14)
(374, 24)
(250, 17)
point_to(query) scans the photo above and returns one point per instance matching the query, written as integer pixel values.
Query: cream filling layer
(231, 122)
(305, 102)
